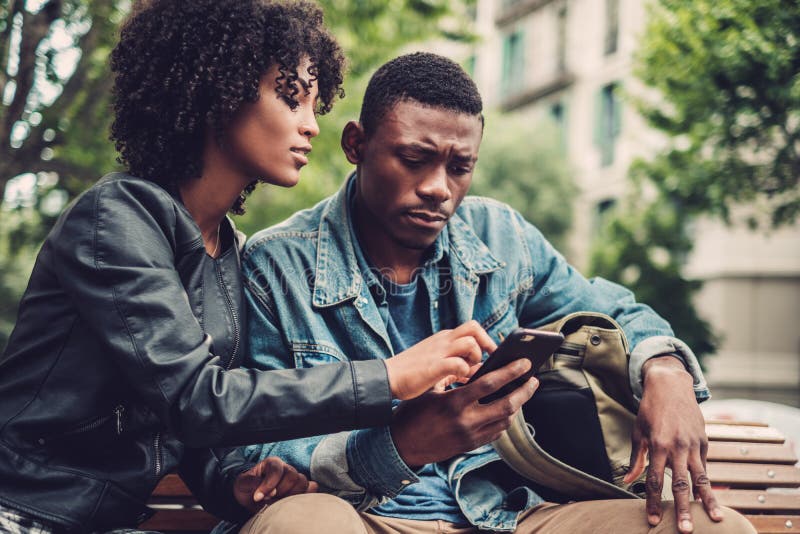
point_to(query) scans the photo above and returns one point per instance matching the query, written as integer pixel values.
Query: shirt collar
(342, 269)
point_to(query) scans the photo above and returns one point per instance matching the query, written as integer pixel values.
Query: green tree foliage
(534, 179)
(728, 72)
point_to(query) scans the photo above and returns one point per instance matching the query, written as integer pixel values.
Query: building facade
(571, 61)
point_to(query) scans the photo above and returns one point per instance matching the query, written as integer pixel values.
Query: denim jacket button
(405, 482)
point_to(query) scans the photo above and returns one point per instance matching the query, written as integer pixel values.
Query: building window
(607, 123)
(602, 211)
(513, 63)
(561, 50)
(558, 113)
(612, 26)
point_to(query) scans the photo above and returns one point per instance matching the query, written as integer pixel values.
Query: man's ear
(353, 140)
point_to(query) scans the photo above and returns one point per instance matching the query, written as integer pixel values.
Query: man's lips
(426, 219)
(427, 215)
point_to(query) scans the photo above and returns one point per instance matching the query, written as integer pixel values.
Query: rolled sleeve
(375, 463)
(666, 346)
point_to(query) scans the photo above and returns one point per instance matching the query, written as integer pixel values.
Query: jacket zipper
(157, 448)
(234, 315)
(119, 411)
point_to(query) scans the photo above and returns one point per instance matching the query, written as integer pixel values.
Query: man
(396, 256)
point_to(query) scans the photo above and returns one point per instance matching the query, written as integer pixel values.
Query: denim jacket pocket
(310, 354)
(501, 321)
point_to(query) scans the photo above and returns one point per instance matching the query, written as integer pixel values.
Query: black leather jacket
(123, 367)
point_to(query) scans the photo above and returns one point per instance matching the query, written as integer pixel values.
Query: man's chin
(416, 243)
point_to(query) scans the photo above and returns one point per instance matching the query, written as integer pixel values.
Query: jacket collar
(338, 277)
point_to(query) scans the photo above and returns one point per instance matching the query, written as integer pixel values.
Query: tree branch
(14, 7)
(34, 29)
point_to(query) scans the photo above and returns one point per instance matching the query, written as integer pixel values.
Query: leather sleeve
(115, 251)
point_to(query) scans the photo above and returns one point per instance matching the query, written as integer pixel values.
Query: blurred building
(571, 60)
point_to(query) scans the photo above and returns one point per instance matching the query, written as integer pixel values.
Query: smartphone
(536, 345)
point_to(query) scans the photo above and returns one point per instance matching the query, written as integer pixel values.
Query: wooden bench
(752, 468)
(754, 471)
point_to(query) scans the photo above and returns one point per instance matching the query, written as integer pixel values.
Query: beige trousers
(313, 513)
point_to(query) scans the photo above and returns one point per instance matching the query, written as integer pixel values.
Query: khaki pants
(325, 514)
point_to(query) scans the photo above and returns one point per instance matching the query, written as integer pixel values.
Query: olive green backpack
(574, 435)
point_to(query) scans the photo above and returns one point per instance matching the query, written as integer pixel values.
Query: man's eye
(412, 162)
(460, 170)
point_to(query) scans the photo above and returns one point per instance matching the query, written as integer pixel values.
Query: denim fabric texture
(311, 303)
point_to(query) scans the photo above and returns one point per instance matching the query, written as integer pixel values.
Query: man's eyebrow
(464, 159)
(417, 147)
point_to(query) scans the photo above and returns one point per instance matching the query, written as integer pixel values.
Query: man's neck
(395, 262)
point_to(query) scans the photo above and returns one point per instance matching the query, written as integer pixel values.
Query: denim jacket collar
(338, 277)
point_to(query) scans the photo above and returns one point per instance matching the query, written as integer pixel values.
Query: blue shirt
(408, 322)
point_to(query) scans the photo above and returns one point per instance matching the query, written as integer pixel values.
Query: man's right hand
(441, 424)
(447, 353)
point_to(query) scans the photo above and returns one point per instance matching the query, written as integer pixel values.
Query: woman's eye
(291, 102)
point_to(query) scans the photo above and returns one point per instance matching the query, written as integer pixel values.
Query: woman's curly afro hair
(183, 66)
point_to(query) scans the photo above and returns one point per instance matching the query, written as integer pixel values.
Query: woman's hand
(445, 354)
(267, 481)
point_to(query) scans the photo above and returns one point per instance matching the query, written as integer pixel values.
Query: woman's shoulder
(119, 204)
(123, 193)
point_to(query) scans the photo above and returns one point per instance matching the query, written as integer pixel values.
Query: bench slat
(758, 500)
(744, 475)
(775, 524)
(171, 486)
(755, 434)
(751, 452)
(180, 519)
(734, 423)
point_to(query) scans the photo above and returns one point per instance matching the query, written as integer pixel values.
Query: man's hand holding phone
(441, 424)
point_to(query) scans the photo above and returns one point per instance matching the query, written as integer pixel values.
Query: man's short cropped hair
(430, 79)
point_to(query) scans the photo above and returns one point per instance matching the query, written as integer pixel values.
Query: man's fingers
(653, 485)
(313, 487)
(491, 382)
(701, 487)
(271, 470)
(681, 492)
(288, 481)
(300, 486)
(476, 331)
(638, 456)
(507, 407)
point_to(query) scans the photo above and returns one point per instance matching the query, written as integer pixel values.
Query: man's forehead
(412, 123)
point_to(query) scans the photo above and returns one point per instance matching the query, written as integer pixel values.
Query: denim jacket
(310, 300)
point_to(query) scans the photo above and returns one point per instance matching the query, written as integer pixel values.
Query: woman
(123, 363)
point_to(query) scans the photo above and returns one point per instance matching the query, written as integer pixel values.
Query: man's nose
(434, 185)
